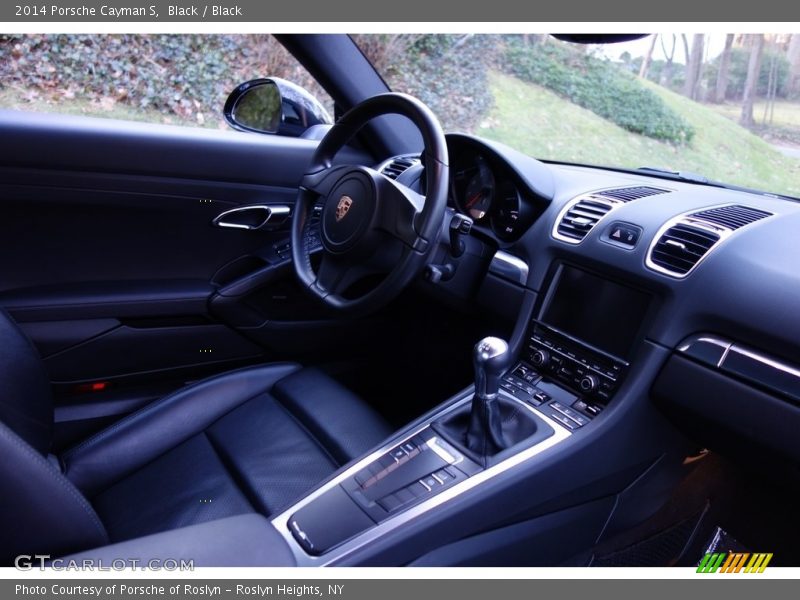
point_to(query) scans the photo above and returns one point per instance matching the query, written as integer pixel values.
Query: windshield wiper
(682, 176)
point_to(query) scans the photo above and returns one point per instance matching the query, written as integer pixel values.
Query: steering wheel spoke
(322, 182)
(335, 275)
(401, 207)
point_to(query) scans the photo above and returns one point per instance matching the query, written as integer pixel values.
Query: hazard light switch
(625, 235)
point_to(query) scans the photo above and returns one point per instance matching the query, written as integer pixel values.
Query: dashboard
(705, 277)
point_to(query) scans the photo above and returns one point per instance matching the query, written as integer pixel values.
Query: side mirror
(274, 105)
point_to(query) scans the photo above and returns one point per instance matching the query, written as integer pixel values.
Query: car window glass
(172, 79)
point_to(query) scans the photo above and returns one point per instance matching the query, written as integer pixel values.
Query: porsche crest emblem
(345, 202)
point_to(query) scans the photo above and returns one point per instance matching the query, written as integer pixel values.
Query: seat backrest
(41, 512)
(26, 403)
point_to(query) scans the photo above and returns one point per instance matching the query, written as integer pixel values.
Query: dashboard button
(510, 388)
(541, 397)
(622, 234)
(575, 416)
(566, 422)
(398, 454)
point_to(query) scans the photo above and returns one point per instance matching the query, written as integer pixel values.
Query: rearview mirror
(274, 105)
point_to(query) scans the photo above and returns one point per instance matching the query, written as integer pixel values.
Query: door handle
(254, 216)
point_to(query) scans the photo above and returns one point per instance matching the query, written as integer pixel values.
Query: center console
(573, 359)
(576, 351)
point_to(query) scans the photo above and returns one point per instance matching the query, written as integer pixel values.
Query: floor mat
(664, 549)
(756, 511)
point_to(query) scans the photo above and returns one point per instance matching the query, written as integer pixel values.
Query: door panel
(54, 233)
(127, 350)
(110, 258)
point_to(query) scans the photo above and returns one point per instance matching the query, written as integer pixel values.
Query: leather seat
(251, 440)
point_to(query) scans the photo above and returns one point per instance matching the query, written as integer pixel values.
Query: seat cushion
(260, 455)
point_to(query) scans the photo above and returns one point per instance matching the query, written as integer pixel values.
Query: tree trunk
(751, 83)
(685, 41)
(648, 57)
(722, 75)
(693, 65)
(793, 56)
(666, 72)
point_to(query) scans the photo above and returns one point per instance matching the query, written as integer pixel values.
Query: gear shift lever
(492, 423)
(491, 358)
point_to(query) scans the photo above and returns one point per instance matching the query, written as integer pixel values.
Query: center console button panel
(407, 474)
(572, 363)
(566, 379)
(557, 402)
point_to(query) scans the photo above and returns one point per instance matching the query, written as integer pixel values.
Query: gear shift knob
(491, 359)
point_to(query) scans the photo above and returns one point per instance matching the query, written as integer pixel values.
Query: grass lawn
(785, 113)
(538, 122)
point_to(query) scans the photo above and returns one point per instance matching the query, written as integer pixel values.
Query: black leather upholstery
(251, 440)
(241, 541)
(26, 405)
(41, 512)
(146, 434)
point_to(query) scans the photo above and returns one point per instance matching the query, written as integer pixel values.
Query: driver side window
(158, 78)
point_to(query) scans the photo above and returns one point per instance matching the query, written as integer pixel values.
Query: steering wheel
(369, 223)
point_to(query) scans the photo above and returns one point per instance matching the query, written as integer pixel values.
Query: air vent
(397, 166)
(685, 240)
(631, 193)
(580, 218)
(681, 247)
(582, 213)
(732, 217)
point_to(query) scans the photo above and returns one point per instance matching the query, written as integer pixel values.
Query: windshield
(726, 107)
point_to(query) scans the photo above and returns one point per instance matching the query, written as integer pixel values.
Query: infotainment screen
(597, 311)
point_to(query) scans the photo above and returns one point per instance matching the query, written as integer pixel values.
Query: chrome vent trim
(707, 223)
(594, 207)
(579, 218)
(681, 247)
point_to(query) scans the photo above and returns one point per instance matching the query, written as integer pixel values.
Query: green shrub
(599, 86)
(184, 77)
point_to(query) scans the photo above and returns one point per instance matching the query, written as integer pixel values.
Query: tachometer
(479, 193)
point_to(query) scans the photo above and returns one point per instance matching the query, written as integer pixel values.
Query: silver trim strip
(735, 348)
(272, 212)
(707, 339)
(764, 360)
(509, 267)
(281, 522)
(686, 219)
